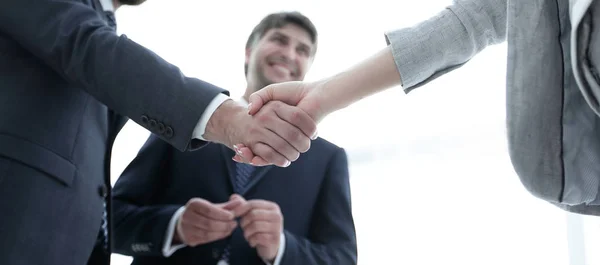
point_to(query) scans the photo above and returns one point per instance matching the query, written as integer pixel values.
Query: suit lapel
(256, 177)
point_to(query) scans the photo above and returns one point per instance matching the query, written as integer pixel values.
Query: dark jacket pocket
(38, 157)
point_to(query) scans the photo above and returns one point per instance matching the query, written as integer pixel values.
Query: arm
(71, 38)
(413, 57)
(138, 220)
(332, 237)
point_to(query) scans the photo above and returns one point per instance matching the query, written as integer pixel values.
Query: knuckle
(281, 145)
(264, 118)
(295, 136)
(295, 116)
(271, 157)
(210, 225)
(254, 131)
(208, 211)
(203, 234)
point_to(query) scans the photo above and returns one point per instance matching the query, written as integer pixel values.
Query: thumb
(286, 92)
(234, 202)
(236, 197)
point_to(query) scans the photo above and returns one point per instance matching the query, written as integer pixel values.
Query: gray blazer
(67, 82)
(552, 130)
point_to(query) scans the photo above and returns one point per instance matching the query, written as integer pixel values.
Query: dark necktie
(243, 172)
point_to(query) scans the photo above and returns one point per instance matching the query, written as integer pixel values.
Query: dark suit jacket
(313, 194)
(66, 83)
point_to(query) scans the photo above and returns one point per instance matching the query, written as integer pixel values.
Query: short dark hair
(279, 20)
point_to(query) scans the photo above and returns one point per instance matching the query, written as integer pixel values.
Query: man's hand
(262, 223)
(278, 133)
(310, 97)
(203, 222)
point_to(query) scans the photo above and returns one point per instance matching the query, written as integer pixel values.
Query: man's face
(282, 54)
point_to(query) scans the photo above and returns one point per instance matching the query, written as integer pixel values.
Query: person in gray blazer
(552, 83)
(68, 83)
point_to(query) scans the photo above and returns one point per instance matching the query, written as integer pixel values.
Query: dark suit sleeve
(137, 219)
(71, 38)
(332, 235)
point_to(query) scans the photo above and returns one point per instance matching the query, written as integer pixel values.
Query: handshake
(203, 222)
(276, 127)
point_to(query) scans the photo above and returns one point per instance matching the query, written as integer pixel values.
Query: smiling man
(177, 208)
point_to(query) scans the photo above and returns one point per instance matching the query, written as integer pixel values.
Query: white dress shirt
(107, 5)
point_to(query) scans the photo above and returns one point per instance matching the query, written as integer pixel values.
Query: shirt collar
(107, 5)
(243, 101)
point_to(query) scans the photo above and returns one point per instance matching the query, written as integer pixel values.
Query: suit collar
(255, 178)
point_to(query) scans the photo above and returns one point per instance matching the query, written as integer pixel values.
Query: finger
(251, 158)
(265, 131)
(259, 161)
(262, 239)
(293, 125)
(209, 210)
(245, 155)
(297, 117)
(288, 92)
(256, 161)
(256, 101)
(242, 210)
(250, 205)
(261, 215)
(194, 221)
(295, 141)
(270, 155)
(260, 227)
(233, 203)
(203, 237)
(238, 197)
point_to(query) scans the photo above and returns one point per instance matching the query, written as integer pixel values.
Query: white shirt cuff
(208, 112)
(168, 249)
(280, 252)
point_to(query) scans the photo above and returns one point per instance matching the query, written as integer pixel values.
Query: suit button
(215, 253)
(168, 132)
(161, 128)
(152, 123)
(144, 119)
(102, 191)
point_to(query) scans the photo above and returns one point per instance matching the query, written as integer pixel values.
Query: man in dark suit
(67, 82)
(175, 208)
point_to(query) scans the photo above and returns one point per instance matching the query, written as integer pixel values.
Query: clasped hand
(204, 222)
(278, 132)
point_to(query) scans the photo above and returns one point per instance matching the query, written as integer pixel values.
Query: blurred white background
(431, 179)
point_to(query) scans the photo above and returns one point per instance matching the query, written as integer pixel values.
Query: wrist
(217, 126)
(176, 239)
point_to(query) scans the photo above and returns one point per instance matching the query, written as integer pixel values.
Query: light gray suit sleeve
(447, 41)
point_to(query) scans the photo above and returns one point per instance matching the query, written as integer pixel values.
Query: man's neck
(249, 90)
(116, 4)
